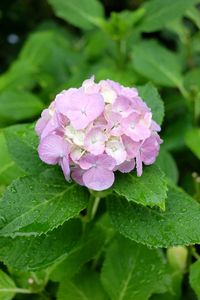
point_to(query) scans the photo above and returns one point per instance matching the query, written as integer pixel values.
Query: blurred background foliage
(50, 45)
(47, 46)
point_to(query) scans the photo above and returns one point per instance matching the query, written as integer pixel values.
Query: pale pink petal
(127, 166)
(108, 93)
(122, 106)
(150, 149)
(95, 141)
(138, 165)
(80, 108)
(98, 179)
(77, 175)
(115, 148)
(87, 161)
(90, 87)
(64, 163)
(131, 147)
(76, 153)
(105, 161)
(137, 127)
(155, 126)
(114, 123)
(52, 148)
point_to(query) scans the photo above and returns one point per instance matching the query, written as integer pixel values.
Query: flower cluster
(97, 129)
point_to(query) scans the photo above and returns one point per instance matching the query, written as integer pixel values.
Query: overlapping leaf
(22, 144)
(149, 189)
(157, 63)
(132, 271)
(34, 253)
(81, 13)
(35, 205)
(177, 225)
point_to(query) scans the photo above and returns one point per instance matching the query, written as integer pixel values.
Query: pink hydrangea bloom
(96, 130)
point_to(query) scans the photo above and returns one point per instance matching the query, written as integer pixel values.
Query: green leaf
(132, 271)
(84, 14)
(85, 286)
(7, 287)
(159, 13)
(8, 169)
(86, 249)
(151, 96)
(174, 135)
(195, 277)
(168, 165)
(22, 144)
(37, 204)
(19, 76)
(192, 140)
(34, 253)
(48, 50)
(149, 189)
(178, 225)
(194, 15)
(18, 105)
(191, 79)
(157, 63)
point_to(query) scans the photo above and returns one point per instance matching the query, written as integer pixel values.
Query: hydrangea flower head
(98, 129)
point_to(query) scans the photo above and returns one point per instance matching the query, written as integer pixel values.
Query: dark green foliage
(53, 243)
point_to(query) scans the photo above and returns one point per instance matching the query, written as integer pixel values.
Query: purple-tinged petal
(138, 165)
(127, 166)
(137, 127)
(64, 163)
(80, 108)
(98, 179)
(52, 148)
(105, 161)
(95, 141)
(77, 175)
(132, 148)
(115, 148)
(87, 161)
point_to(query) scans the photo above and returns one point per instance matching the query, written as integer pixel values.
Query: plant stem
(16, 290)
(92, 207)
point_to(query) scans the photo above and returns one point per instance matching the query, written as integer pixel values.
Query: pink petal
(87, 161)
(105, 161)
(137, 127)
(52, 148)
(139, 165)
(98, 179)
(64, 162)
(77, 175)
(95, 141)
(131, 147)
(115, 148)
(127, 166)
(79, 107)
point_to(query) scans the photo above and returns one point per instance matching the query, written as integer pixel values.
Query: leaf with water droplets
(87, 248)
(34, 253)
(84, 286)
(134, 271)
(149, 189)
(22, 143)
(37, 204)
(177, 225)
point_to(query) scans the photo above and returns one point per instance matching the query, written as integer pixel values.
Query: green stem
(16, 290)
(92, 207)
